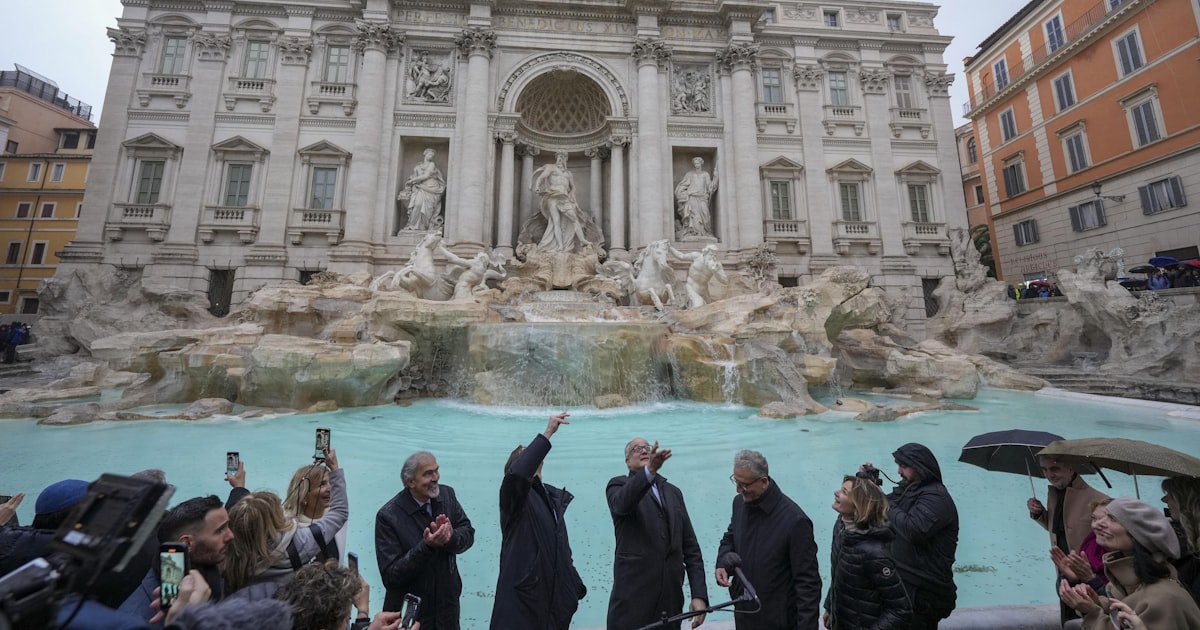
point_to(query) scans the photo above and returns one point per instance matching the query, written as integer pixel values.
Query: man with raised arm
(538, 587)
(656, 544)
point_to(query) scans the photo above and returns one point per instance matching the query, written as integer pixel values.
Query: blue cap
(60, 496)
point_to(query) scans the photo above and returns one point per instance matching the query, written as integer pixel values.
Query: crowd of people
(12, 335)
(261, 561)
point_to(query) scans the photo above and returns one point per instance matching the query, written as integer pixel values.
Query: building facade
(1085, 117)
(48, 140)
(248, 143)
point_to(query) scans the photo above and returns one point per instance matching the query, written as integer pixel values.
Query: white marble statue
(475, 272)
(561, 225)
(704, 268)
(423, 192)
(692, 196)
(419, 273)
(648, 279)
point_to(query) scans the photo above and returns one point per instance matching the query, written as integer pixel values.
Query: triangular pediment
(920, 167)
(151, 141)
(782, 163)
(324, 147)
(238, 144)
(851, 166)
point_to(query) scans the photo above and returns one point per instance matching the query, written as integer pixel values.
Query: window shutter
(1076, 220)
(1017, 234)
(1033, 224)
(1101, 220)
(1177, 196)
(1144, 194)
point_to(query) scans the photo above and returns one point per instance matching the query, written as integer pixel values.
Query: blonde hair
(256, 521)
(305, 479)
(870, 504)
(1186, 491)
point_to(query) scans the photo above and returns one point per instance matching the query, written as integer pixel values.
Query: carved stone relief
(430, 77)
(691, 89)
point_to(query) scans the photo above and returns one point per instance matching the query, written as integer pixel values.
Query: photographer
(321, 597)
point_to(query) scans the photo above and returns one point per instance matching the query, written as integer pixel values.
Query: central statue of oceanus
(560, 224)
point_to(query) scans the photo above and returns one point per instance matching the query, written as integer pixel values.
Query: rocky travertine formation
(336, 342)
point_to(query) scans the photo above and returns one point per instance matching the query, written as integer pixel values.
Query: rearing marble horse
(648, 279)
(418, 274)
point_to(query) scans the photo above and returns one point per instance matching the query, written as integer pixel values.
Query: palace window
(258, 54)
(781, 199)
(1026, 232)
(850, 195)
(1064, 91)
(237, 184)
(772, 85)
(1088, 215)
(324, 184)
(1008, 124)
(1054, 34)
(1014, 177)
(149, 181)
(174, 58)
(1162, 195)
(1129, 53)
(839, 92)
(1000, 68)
(337, 64)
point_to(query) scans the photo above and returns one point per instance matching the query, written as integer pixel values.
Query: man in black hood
(925, 521)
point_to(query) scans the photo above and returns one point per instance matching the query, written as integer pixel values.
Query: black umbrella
(1012, 451)
(1144, 269)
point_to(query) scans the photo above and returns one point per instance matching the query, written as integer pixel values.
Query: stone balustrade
(917, 234)
(327, 223)
(176, 86)
(153, 218)
(848, 233)
(241, 219)
(340, 94)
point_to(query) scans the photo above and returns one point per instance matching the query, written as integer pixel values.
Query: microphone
(734, 561)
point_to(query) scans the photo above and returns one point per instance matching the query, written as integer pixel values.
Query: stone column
(467, 226)
(87, 246)
(207, 70)
(277, 184)
(649, 53)
(595, 198)
(886, 207)
(504, 236)
(528, 199)
(741, 59)
(375, 40)
(616, 195)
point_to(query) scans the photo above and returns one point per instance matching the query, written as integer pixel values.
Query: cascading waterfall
(724, 355)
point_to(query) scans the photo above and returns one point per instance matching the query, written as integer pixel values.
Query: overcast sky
(65, 41)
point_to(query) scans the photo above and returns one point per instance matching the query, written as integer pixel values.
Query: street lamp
(1096, 191)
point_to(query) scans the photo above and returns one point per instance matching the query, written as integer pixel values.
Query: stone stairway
(1089, 382)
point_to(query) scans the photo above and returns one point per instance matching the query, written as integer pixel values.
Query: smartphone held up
(322, 444)
(173, 565)
(233, 461)
(412, 605)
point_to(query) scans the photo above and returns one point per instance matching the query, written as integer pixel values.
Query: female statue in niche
(692, 198)
(423, 192)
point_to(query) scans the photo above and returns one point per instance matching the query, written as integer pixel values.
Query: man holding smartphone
(418, 533)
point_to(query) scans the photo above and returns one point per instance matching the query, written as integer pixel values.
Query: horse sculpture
(418, 274)
(648, 280)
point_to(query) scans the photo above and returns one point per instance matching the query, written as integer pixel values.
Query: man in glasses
(656, 544)
(771, 539)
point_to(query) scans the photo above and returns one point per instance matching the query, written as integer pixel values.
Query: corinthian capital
(476, 41)
(296, 50)
(808, 77)
(211, 46)
(128, 43)
(377, 34)
(874, 81)
(739, 56)
(938, 83)
(650, 50)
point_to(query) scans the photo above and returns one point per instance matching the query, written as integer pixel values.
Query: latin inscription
(563, 25)
(430, 17)
(694, 33)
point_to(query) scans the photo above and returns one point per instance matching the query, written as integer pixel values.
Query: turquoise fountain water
(1002, 557)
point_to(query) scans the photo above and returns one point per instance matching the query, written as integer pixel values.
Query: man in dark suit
(655, 544)
(418, 534)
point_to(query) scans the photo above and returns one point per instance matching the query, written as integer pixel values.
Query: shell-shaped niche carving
(563, 102)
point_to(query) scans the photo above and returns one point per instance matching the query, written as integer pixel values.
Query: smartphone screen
(412, 604)
(352, 562)
(232, 462)
(322, 443)
(172, 566)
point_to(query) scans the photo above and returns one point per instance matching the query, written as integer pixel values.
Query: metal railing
(44, 91)
(1030, 62)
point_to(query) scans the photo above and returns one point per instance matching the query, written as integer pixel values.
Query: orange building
(1088, 135)
(48, 140)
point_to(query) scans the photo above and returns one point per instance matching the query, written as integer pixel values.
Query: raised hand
(657, 457)
(238, 479)
(8, 509)
(556, 421)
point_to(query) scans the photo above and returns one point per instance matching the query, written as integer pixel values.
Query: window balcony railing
(243, 89)
(1027, 64)
(787, 230)
(776, 112)
(917, 234)
(847, 233)
(153, 218)
(341, 94)
(910, 118)
(241, 219)
(849, 115)
(176, 86)
(327, 223)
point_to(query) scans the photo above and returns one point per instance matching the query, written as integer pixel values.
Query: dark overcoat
(865, 591)
(408, 564)
(538, 587)
(656, 546)
(774, 537)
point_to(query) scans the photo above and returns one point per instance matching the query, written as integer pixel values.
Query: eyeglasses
(640, 448)
(742, 486)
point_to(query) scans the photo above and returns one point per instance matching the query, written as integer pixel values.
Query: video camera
(104, 532)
